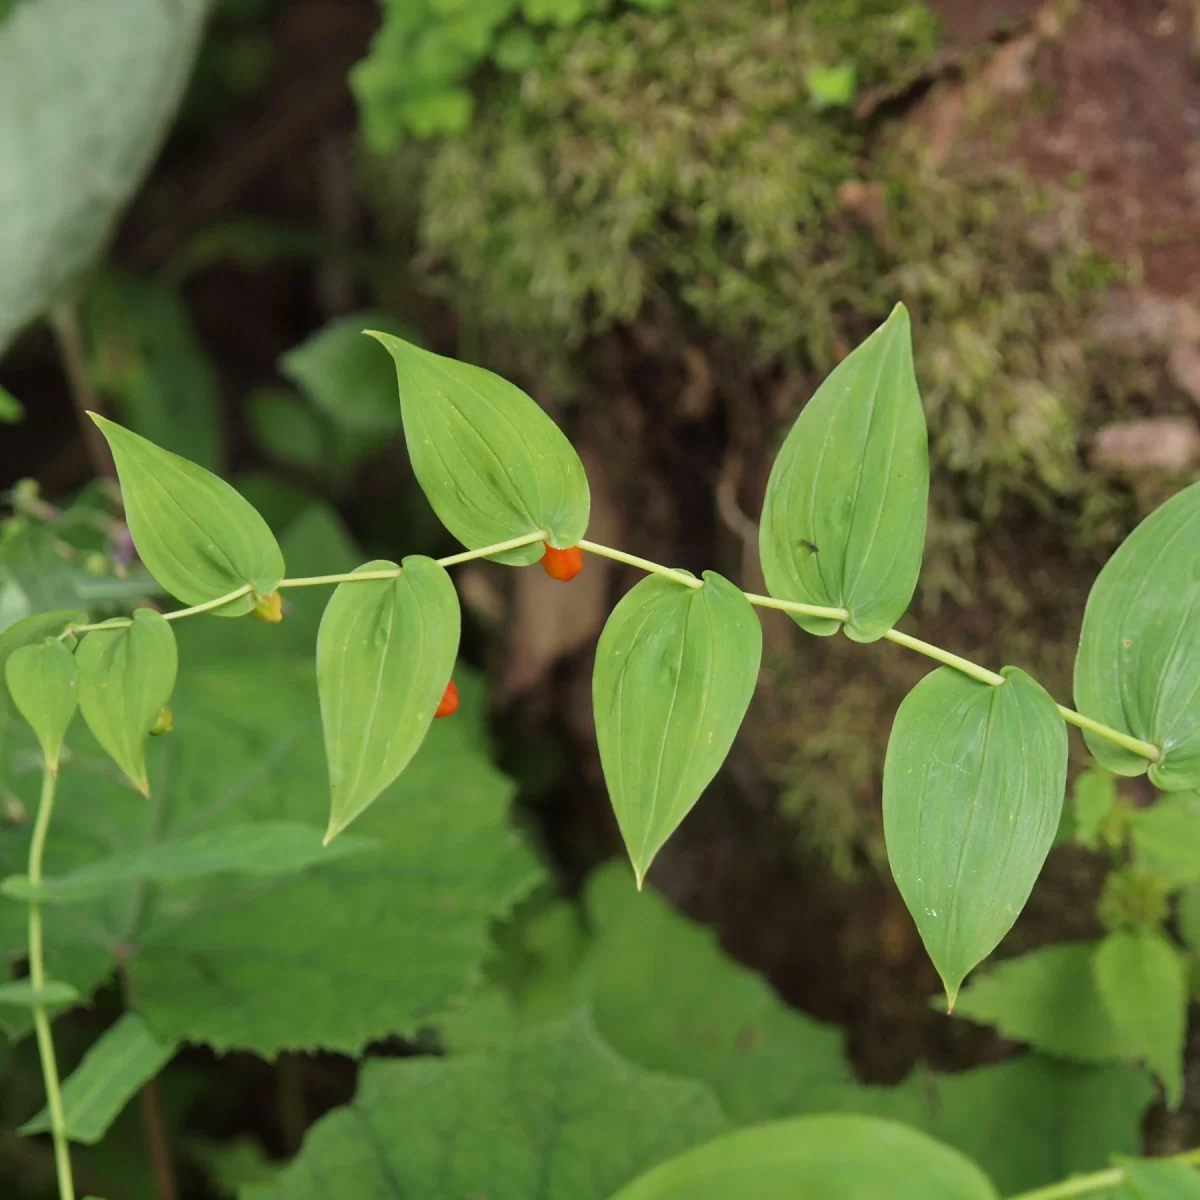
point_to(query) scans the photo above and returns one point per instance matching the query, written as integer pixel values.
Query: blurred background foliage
(667, 220)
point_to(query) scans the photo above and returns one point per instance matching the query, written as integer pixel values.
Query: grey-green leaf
(973, 787)
(829, 1157)
(493, 465)
(843, 521)
(1138, 667)
(126, 675)
(385, 651)
(259, 849)
(103, 79)
(675, 671)
(1142, 981)
(124, 1058)
(43, 683)
(197, 536)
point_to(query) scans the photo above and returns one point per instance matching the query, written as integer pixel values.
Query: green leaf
(125, 1057)
(287, 428)
(145, 357)
(20, 994)
(362, 947)
(664, 996)
(126, 676)
(1139, 649)
(1166, 838)
(1050, 999)
(1028, 1121)
(44, 685)
(384, 656)
(492, 464)
(555, 1114)
(675, 672)
(128, 62)
(972, 793)
(261, 848)
(196, 535)
(343, 374)
(1147, 1179)
(1189, 916)
(12, 411)
(843, 521)
(832, 87)
(1092, 798)
(818, 1158)
(1142, 981)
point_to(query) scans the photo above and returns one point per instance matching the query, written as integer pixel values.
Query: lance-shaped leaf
(126, 675)
(843, 521)
(44, 685)
(197, 536)
(675, 670)
(1138, 668)
(817, 1158)
(973, 788)
(385, 651)
(492, 464)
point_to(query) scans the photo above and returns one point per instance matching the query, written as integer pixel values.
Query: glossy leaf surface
(1138, 667)
(675, 671)
(973, 787)
(124, 1057)
(126, 675)
(197, 536)
(44, 685)
(1142, 981)
(817, 1158)
(492, 463)
(843, 521)
(385, 652)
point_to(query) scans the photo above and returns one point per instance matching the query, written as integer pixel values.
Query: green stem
(178, 614)
(37, 980)
(1083, 1185)
(794, 606)
(945, 657)
(643, 564)
(526, 539)
(1136, 745)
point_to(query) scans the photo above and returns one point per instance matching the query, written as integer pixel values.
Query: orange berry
(562, 565)
(448, 705)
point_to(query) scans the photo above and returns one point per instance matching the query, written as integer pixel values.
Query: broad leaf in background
(553, 1114)
(491, 462)
(1146, 1179)
(104, 78)
(346, 377)
(12, 411)
(43, 682)
(664, 996)
(676, 668)
(1049, 998)
(34, 575)
(384, 656)
(1028, 1121)
(973, 789)
(287, 428)
(1139, 649)
(1166, 838)
(1092, 800)
(196, 535)
(119, 1062)
(1142, 981)
(843, 521)
(261, 848)
(144, 356)
(363, 946)
(817, 1158)
(126, 676)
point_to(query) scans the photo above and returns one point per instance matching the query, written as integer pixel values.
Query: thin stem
(1083, 1185)
(37, 979)
(526, 539)
(794, 606)
(642, 563)
(178, 614)
(944, 656)
(72, 350)
(156, 1136)
(1136, 745)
